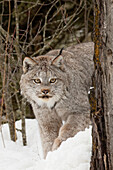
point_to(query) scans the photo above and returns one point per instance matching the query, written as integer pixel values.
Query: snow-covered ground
(73, 154)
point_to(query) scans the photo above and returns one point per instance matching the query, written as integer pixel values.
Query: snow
(73, 154)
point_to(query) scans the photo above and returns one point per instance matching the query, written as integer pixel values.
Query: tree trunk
(101, 97)
(23, 122)
(10, 115)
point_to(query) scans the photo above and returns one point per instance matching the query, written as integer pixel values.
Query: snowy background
(73, 154)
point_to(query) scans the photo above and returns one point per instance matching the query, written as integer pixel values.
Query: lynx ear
(28, 63)
(58, 61)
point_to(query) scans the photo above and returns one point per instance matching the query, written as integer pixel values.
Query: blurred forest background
(30, 28)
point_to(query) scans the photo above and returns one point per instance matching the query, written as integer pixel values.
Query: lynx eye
(37, 81)
(53, 80)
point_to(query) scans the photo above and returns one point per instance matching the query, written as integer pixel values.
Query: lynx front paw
(56, 144)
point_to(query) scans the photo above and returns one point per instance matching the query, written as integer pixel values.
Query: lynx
(57, 87)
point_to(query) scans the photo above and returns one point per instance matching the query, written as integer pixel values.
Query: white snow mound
(73, 154)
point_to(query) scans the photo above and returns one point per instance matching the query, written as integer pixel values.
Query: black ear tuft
(60, 53)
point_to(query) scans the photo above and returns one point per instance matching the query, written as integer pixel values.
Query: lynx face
(43, 81)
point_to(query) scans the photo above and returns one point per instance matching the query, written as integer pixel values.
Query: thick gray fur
(69, 94)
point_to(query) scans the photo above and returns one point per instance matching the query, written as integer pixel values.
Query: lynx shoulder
(57, 88)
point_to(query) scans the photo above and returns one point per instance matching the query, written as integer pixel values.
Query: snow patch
(73, 154)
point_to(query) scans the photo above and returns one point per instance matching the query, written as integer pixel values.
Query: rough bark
(101, 97)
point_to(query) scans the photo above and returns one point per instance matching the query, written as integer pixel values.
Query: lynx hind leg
(74, 124)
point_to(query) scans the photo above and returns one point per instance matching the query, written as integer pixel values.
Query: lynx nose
(45, 91)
